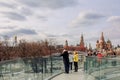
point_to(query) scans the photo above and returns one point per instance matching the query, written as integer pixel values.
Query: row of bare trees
(28, 49)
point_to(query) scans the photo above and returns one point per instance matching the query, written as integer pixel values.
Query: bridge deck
(71, 76)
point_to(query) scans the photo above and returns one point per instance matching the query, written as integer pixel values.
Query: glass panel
(102, 69)
(30, 68)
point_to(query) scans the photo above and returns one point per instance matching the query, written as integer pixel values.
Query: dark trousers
(76, 66)
(66, 65)
(70, 65)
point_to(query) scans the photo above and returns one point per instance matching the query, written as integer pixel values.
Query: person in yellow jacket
(75, 59)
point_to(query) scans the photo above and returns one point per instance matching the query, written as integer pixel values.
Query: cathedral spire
(90, 47)
(102, 37)
(102, 41)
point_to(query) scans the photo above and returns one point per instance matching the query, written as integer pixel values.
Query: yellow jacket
(75, 57)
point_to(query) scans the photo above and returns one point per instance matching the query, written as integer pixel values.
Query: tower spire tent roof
(66, 43)
(102, 38)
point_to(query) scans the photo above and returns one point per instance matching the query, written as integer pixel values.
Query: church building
(102, 44)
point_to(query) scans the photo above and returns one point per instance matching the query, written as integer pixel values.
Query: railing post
(51, 64)
(51, 67)
(42, 67)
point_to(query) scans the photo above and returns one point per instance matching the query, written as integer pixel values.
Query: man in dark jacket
(65, 55)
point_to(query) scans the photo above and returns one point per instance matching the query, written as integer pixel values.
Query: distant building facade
(79, 47)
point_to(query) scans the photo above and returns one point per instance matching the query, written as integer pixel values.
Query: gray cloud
(19, 32)
(86, 19)
(26, 11)
(51, 35)
(7, 27)
(66, 35)
(53, 4)
(43, 18)
(55, 35)
(2, 4)
(112, 33)
(93, 38)
(17, 11)
(114, 20)
(26, 31)
(14, 16)
(92, 16)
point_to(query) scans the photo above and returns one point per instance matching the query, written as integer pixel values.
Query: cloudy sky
(61, 20)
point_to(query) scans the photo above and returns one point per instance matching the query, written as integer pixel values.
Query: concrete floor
(71, 76)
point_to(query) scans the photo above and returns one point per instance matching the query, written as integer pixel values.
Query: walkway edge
(49, 78)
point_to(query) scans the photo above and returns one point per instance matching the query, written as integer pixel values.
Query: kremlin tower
(82, 47)
(82, 41)
(66, 45)
(79, 47)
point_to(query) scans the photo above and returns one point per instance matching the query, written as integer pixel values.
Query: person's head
(75, 52)
(64, 50)
(70, 52)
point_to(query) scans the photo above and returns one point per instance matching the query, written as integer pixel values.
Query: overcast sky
(61, 20)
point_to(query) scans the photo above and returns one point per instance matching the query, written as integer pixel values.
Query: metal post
(51, 62)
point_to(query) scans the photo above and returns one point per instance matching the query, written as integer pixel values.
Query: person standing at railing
(84, 60)
(70, 60)
(75, 59)
(99, 57)
(65, 55)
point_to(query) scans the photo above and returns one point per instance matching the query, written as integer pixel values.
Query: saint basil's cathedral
(101, 44)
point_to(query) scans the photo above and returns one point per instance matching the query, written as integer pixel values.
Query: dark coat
(65, 55)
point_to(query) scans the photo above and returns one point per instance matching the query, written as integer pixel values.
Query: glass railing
(102, 68)
(30, 68)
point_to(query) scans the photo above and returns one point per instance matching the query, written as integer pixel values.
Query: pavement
(80, 75)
